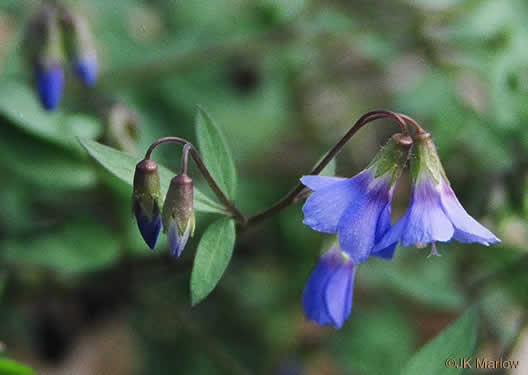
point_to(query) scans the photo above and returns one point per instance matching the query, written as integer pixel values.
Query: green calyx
(426, 161)
(392, 158)
(178, 205)
(147, 187)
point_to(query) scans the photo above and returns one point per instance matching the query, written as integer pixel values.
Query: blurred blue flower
(50, 85)
(86, 70)
(358, 209)
(327, 297)
(434, 213)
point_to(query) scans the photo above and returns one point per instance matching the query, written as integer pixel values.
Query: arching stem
(189, 148)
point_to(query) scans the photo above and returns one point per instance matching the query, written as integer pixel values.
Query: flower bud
(44, 49)
(178, 213)
(80, 46)
(145, 201)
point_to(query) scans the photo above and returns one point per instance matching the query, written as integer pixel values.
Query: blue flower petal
(358, 224)
(314, 292)
(393, 235)
(177, 241)
(86, 70)
(426, 221)
(324, 207)
(467, 229)
(50, 84)
(339, 292)
(148, 228)
(319, 182)
(423, 223)
(384, 225)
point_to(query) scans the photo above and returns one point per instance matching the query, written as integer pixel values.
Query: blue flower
(86, 70)
(434, 213)
(358, 209)
(50, 85)
(327, 297)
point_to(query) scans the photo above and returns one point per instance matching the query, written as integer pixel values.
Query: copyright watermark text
(480, 363)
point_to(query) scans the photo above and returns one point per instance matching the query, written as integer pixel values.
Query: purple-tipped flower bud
(178, 213)
(146, 201)
(43, 44)
(80, 46)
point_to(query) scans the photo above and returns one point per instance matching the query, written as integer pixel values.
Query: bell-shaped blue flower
(178, 213)
(327, 297)
(145, 201)
(434, 213)
(358, 209)
(50, 85)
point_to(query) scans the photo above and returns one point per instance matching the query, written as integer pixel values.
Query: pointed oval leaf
(212, 257)
(455, 342)
(215, 153)
(123, 166)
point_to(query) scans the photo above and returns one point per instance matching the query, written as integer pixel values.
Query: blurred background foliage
(81, 293)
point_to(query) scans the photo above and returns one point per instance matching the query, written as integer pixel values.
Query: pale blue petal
(324, 207)
(313, 296)
(339, 292)
(467, 229)
(319, 182)
(426, 220)
(423, 223)
(358, 224)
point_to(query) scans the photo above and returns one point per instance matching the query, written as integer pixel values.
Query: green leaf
(10, 367)
(215, 153)
(212, 257)
(455, 342)
(76, 247)
(123, 166)
(19, 104)
(44, 164)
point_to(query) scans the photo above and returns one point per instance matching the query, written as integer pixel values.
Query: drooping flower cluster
(177, 215)
(358, 210)
(57, 35)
